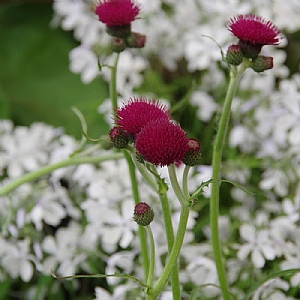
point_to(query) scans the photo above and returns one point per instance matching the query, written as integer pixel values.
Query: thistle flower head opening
(162, 142)
(138, 112)
(117, 12)
(254, 32)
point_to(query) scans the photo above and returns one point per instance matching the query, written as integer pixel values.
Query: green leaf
(199, 190)
(162, 186)
(119, 275)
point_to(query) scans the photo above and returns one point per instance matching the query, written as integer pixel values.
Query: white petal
(257, 258)
(26, 270)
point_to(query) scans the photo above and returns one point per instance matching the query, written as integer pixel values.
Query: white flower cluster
(42, 222)
(62, 222)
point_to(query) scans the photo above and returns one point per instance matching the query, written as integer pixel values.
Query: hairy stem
(216, 165)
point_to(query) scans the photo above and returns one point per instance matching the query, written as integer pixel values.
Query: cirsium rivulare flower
(117, 12)
(136, 113)
(162, 142)
(253, 33)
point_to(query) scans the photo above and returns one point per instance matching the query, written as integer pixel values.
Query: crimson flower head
(253, 32)
(117, 12)
(138, 112)
(162, 142)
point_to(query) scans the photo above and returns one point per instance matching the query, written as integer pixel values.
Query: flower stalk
(72, 161)
(172, 260)
(235, 75)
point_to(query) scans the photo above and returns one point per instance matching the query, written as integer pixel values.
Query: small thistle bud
(234, 55)
(118, 45)
(143, 214)
(262, 63)
(118, 137)
(193, 156)
(136, 40)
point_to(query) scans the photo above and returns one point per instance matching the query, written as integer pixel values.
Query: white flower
(17, 260)
(202, 271)
(276, 179)
(205, 103)
(26, 149)
(119, 293)
(258, 244)
(271, 290)
(85, 62)
(123, 260)
(102, 294)
(48, 209)
(118, 227)
(292, 262)
(79, 16)
(63, 250)
(130, 67)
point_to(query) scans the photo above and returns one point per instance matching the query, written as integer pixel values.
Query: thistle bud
(234, 55)
(118, 45)
(136, 40)
(262, 63)
(118, 137)
(193, 156)
(143, 214)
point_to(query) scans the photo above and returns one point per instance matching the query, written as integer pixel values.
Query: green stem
(48, 169)
(113, 84)
(152, 256)
(170, 241)
(185, 182)
(146, 174)
(172, 260)
(142, 233)
(216, 165)
(175, 184)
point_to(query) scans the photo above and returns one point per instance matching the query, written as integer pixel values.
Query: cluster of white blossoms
(74, 216)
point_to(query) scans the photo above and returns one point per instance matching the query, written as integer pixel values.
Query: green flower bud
(143, 214)
(118, 45)
(136, 40)
(234, 55)
(262, 63)
(118, 137)
(193, 156)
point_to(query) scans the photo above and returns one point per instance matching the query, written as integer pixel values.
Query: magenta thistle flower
(162, 142)
(138, 112)
(117, 12)
(253, 32)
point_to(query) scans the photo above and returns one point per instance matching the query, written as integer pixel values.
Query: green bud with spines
(193, 156)
(118, 137)
(234, 55)
(261, 63)
(143, 214)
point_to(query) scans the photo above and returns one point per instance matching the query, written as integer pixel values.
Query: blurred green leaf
(34, 73)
